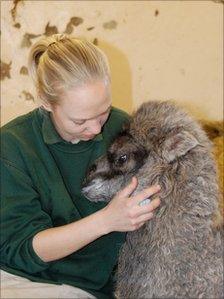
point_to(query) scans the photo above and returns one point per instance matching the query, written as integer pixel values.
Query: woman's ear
(47, 106)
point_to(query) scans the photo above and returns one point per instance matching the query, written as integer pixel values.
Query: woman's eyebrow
(80, 119)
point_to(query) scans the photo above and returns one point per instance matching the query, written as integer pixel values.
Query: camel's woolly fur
(179, 253)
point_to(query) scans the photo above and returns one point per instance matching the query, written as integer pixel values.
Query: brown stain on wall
(90, 28)
(26, 42)
(50, 30)
(14, 9)
(156, 13)
(182, 71)
(74, 21)
(24, 70)
(27, 37)
(17, 25)
(28, 96)
(5, 70)
(95, 42)
(110, 25)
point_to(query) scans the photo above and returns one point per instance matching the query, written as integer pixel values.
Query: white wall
(157, 50)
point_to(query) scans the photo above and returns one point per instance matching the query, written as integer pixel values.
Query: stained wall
(157, 50)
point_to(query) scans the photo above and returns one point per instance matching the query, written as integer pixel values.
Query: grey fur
(179, 253)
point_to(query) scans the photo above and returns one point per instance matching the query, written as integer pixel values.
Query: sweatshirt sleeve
(21, 218)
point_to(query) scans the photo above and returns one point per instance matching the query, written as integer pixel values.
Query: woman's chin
(87, 137)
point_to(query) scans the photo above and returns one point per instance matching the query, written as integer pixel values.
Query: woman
(51, 233)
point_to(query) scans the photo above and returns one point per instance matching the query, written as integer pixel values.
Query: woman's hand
(124, 213)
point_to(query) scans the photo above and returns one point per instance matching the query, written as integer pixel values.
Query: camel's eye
(122, 159)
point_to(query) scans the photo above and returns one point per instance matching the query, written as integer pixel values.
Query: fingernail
(158, 187)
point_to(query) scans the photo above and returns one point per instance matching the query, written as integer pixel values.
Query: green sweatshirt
(41, 176)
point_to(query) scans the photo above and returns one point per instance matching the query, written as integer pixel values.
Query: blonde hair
(60, 62)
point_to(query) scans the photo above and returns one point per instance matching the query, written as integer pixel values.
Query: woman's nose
(94, 127)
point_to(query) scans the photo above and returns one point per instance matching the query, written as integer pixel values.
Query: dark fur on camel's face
(158, 135)
(125, 156)
(164, 145)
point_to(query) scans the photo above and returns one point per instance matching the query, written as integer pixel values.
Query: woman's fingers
(144, 217)
(125, 211)
(151, 206)
(141, 210)
(142, 220)
(144, 194)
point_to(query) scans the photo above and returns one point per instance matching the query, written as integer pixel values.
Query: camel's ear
(178, 144)
(125, 128)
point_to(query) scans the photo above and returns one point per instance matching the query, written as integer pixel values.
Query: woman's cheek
(73, 128)
(104, 119)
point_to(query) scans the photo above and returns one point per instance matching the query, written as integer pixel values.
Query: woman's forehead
(87, 101)
(93, 115)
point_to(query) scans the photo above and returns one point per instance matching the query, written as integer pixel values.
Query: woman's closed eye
(79, 123)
